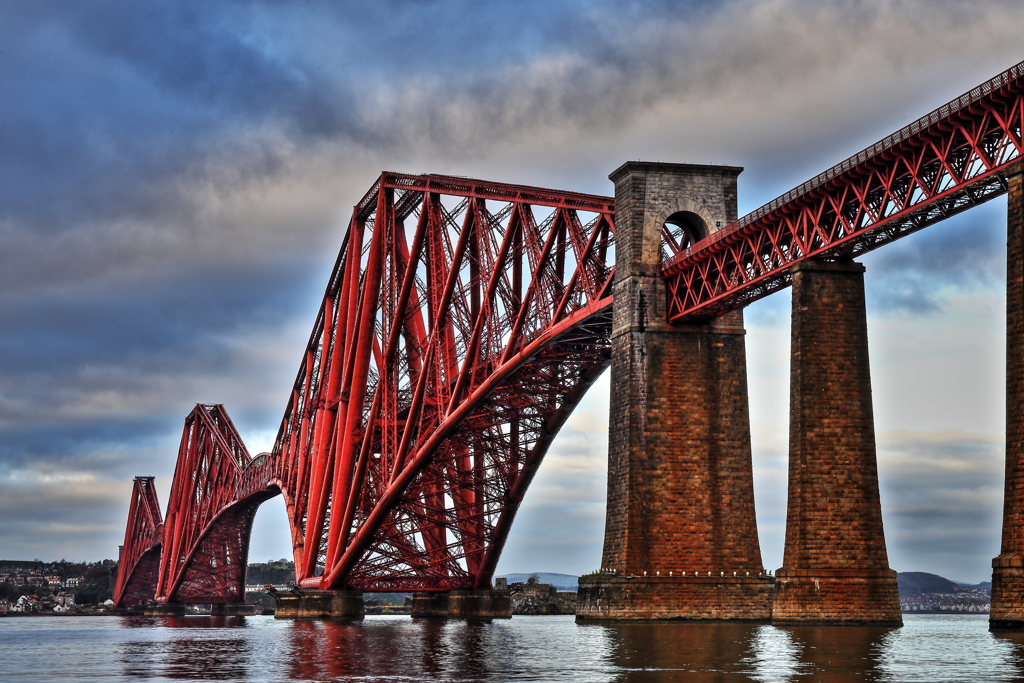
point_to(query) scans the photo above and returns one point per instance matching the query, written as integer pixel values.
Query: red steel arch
(462, 323)
(216, 490)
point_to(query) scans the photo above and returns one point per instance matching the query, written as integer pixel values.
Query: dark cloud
(175, 177)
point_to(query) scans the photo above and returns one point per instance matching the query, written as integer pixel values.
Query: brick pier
(680, 486)
(836, 566)
(1008, 569)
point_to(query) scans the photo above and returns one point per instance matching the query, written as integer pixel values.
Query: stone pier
(680, 486)
(836, 569)
(232, 609)
(1007, 610)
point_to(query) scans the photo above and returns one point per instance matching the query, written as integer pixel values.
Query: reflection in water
(438, 649)
(774, 656)
(654, 652)
(842, 653)
(200, 648)
(936, 649)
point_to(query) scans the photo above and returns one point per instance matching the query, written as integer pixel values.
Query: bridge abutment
(836, 569)
(680, 485)
(1007, 610)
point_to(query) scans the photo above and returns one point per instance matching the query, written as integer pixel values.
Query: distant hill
(562, 582)
(915, 584)
(282, 571)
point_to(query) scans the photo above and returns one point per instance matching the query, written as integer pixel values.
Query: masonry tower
(680, 534)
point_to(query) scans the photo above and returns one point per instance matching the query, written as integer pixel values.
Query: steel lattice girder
(940, 165)
(458, 331)
(139, 557)
(210, 511)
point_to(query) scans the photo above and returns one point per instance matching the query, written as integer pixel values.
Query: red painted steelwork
(462, 323)
(458, 331)
(139, 557)
(940, 165)
(216, 490)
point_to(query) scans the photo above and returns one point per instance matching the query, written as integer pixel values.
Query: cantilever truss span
(139, 558)
(462, 323)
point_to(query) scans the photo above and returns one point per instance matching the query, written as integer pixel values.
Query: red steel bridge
(462, 323)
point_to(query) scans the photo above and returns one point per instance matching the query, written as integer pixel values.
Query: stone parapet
(607, 597)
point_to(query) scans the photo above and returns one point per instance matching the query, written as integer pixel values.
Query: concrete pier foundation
(434, 604)
(471, 604)
(680, 485)
(232, 609)
(319, 604)
(696, 597)
(836, 569)
(165, 609)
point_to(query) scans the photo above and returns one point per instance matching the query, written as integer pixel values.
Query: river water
(932, 648)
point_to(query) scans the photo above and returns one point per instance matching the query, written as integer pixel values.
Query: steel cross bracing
(216, 490)
(463, 322)
(942, 164)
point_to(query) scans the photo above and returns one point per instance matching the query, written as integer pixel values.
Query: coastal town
(36, 587)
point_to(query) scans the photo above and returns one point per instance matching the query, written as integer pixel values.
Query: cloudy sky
(175, 179)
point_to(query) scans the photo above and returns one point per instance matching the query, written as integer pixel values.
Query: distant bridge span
(462, 323)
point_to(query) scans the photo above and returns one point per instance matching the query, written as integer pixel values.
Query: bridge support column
(165, 609)
(472, 604)
(836, 566)
(318, 604)
(1007, 610)
(429, 605)
(680, 486)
